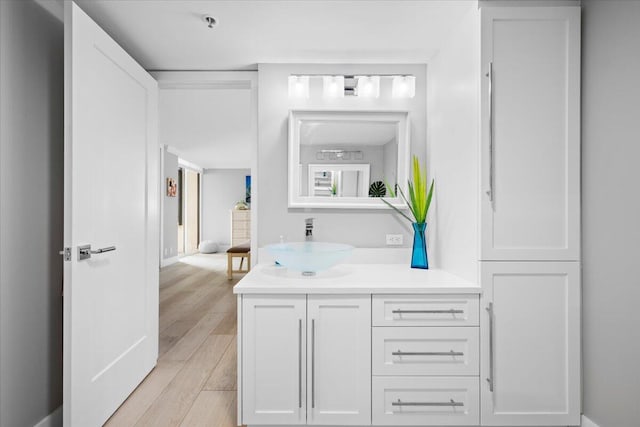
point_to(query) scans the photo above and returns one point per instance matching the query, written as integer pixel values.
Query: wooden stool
(241, 251)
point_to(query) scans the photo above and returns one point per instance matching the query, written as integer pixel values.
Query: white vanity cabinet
(530, 133)
(306, 359)
(531, 336)
(273, 343)
(339, 359)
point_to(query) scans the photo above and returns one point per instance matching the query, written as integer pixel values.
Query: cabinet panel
(424, 401)
(530, 342)
(273, 358)
(530, 158)
(339, 362)
(425, 310)
(425, 351)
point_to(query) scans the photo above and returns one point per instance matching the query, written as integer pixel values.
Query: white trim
(189, 165)
(168, 261)
(54, 419)
(586, 422)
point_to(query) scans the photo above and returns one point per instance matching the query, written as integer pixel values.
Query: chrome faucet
(308, 227)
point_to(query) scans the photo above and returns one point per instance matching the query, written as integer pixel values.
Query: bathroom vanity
(383, 344)
(358, 345)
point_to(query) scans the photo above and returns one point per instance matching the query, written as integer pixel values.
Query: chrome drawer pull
(427, 353)
(449, 403)
(450, 311)
(299, 363)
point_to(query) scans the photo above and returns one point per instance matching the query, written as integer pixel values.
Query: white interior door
(111, 199)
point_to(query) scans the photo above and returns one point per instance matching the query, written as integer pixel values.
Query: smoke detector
(210, 21)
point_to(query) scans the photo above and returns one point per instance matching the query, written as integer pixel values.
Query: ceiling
(210, 128)
(171, 35)
(347, 133)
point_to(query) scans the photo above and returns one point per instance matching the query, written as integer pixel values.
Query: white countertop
(354, 279)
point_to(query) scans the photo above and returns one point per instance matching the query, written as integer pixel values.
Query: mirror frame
(296, 117)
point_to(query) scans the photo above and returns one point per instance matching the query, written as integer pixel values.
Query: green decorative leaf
(377, 189)
(419, 199)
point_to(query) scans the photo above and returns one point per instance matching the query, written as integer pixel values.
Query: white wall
(453, 113)
(208, 121)
(31, 211)
(169, 207)
(611, 211)
(221, 190)
(362, 228)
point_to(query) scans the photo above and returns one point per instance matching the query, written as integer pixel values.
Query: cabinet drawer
(425, 310)
(242, 215)
(425, 401)
(425, 351)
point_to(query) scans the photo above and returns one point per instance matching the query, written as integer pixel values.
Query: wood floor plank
(172, 405)
(228, 324)
(193, 339)
(144, 395)
(224, 375)
(212, 409)
(197, 350)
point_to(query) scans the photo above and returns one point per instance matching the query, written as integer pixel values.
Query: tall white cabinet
(530, 216)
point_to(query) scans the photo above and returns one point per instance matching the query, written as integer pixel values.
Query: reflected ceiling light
(333, 86)
(299, 87)
(368, 86)
(403, 87)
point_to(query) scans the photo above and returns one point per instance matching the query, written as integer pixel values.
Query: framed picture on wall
(247, 186)
(172, 187)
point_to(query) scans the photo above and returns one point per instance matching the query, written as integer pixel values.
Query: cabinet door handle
(490, 379)
(490, 76)
(313, 363)
(449, 311)
(427, 353)
(299, 363)
(449, 403)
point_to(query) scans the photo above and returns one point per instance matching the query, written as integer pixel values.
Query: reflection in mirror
(345, 159)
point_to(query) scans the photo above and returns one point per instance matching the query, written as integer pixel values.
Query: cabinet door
(273, 359)
(339, 362)
(530, 109)
(530, 343)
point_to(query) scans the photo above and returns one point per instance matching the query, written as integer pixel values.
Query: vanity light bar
(363, 86)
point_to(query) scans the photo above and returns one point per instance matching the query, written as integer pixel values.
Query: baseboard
(168, 261)
(54, 419)
(586, 422)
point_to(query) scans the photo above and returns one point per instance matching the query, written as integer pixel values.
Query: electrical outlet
(394, 239)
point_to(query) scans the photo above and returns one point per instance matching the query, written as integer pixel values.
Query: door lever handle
(85, 251)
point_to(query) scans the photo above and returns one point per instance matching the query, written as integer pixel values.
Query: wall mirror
(346, 159)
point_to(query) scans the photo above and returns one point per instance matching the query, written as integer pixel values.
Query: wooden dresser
(240, 226)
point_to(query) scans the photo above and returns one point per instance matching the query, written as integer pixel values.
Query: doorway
(189, 205)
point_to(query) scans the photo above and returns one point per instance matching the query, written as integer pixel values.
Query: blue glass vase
(419, 257)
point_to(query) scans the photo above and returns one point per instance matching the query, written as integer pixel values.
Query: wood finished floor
(194, 383)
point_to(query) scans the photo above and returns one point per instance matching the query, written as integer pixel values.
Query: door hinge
(66, 252)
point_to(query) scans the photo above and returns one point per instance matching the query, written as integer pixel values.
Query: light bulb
(368, 86)
(299, 87)
(403, 87)
(333, 86)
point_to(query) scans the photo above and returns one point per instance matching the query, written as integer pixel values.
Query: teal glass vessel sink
(309, 257)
